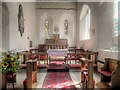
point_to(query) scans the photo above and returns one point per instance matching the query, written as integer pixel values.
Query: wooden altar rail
(44, 47)
(56, 46)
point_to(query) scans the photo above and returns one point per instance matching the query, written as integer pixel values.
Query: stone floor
(74, 73)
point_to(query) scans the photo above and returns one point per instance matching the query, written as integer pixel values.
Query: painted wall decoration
(20, 20)
(66, 26)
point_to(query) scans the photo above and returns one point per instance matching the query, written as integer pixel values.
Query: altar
(56, 42)
(57, 60)
(53, 43)
(57, 54)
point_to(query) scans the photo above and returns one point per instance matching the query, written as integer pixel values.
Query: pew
(110, 72)
(87, 80)
(78, 53)
(31, 75)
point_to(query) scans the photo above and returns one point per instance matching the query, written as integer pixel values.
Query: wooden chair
(72, 49)
(42, 48)
(43, 57)
(28, 55)
(91, 55)
(8, 78)
(115, 79)
(71, 57)
(108, 68)
(94, 57)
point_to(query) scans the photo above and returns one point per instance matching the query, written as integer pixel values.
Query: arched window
(46, 26)
(117, 18)
(84, 23)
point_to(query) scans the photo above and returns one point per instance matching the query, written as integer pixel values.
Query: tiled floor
(75, 75)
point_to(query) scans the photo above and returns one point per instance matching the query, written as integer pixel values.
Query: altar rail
(45, 47)
(56, 46)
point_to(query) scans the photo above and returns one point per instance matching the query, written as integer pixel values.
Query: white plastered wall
(16, 41)
(56, 16)
(102, 22)
(90, 44)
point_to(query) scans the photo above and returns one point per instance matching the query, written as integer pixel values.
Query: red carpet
(57, 66)
(61, 80)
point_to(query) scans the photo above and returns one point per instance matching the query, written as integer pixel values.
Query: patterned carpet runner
(59, 80)
(58, 77)
(57, 66)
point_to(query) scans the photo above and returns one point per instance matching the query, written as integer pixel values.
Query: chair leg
(44, 61)
(47, 62)
(13, 81)
(4, 82)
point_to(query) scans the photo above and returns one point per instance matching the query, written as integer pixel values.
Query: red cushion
(33, 56)
(42, 57)
(10, 75)
(105, 73)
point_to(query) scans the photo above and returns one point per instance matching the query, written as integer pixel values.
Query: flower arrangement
(10, 62)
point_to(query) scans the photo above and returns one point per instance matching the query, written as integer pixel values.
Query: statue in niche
(56, 30)
(66, 26)
(20, 20)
